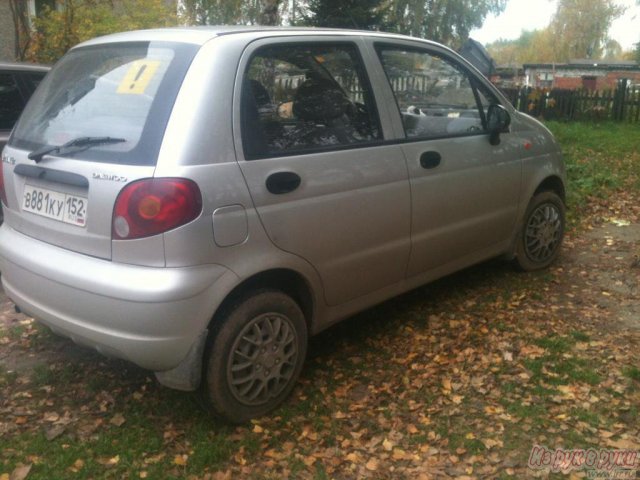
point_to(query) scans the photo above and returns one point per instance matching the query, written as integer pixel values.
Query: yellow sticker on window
(138, 77)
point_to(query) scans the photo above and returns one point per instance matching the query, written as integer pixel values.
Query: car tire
(540, 236)
(254, 356)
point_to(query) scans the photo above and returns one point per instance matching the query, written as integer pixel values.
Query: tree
(233, 12)
(21, 28)
(361, 14)
(581, 27)
(74, 21)
(445, 21)
(211, 12)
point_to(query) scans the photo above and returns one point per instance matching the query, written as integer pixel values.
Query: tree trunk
(269, 13)
(21, 28)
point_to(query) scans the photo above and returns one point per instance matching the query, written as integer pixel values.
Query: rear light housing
(154, 205)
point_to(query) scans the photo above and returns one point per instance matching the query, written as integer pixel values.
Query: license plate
(62, 207)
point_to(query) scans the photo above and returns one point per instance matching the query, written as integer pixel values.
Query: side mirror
(498, 121)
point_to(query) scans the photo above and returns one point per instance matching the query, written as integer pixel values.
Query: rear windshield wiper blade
(76, 143)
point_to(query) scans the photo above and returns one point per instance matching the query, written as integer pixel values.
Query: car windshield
(122, 90)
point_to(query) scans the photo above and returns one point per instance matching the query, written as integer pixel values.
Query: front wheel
(255, 355)
(541, 234)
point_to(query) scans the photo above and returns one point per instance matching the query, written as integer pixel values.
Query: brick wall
(7, 51)
(568, 83)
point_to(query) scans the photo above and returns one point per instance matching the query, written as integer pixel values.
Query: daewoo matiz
(199, 201)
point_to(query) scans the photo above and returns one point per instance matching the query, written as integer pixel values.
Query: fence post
(619, 98)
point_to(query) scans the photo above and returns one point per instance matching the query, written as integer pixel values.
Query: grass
(601, 159)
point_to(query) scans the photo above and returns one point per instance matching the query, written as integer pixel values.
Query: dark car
(18, 81)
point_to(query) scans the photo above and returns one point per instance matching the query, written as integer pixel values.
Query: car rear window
(121, 90)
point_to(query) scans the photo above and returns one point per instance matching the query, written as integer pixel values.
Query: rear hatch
(94, 125)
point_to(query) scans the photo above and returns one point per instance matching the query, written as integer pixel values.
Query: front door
(325, 185)
(464, 190)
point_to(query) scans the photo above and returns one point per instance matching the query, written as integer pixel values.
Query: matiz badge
(109, 176)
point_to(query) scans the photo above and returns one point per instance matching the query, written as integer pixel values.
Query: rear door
(312, 150)
(95, 124)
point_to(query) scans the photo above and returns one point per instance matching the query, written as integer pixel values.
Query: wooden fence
(620, 104)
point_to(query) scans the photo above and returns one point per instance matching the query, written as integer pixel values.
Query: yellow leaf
(143, 474)
(457, 399)
(470, 436)
(398, 454)
(411, 428)
(51, 417)
(180, 460)
(77, 465)
(371, 465)
(257, 429)
(154, 459)
(387, 445)
(446, 385)
(4, 476)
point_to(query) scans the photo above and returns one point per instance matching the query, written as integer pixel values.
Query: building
(576, 74)
(7, 26)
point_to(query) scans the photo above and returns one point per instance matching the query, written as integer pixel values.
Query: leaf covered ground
(458, 379)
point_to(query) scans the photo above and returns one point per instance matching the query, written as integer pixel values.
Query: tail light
(3, 192)
(153, 206)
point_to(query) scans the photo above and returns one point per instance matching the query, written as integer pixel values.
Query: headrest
(319, 100)
(260, 93)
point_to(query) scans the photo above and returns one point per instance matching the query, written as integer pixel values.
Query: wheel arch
(552, 183)
(285, 280)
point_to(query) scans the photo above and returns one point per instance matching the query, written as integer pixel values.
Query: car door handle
(430, 159)
(283, 182)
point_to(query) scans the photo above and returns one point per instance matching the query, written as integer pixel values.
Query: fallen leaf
(181, 460)
(54, 432)
(624, 444)
(371, 465)
(446, 385)
(117, 420)
(20, 473)
(154, 459)
(51, 417)
(387, 445)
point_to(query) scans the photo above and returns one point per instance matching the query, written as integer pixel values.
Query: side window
(11, 102)
(34, 79)
(305, 97)
(436, 97)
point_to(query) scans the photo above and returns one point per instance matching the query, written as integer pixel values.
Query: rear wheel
(541, 233)
(255, 355)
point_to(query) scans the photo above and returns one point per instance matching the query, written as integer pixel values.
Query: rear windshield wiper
(77, 143)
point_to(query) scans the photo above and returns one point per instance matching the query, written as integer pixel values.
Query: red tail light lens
(153, 206)
(3, 192)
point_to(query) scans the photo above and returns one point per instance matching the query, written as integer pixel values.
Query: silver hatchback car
(199, 201)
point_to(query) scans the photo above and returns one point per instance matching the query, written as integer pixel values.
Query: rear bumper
(149, 316)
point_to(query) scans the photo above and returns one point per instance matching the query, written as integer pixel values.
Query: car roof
(24, 67)
(202, 34)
